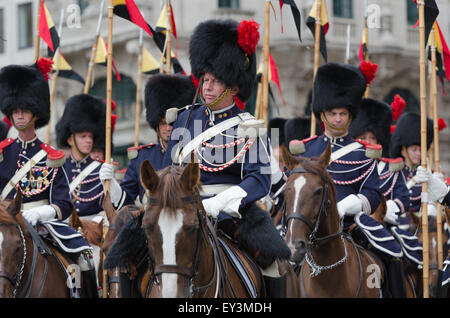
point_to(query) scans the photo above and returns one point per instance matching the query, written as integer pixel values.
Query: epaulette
(133, 151)
(120, 174)
(172, 113)
(395, 164)
(55, 158)
(5, 143)
(372, 151)
(297, 147)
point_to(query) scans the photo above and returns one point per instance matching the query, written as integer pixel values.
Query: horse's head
(311, 213)
(173, 223)
(12, 242)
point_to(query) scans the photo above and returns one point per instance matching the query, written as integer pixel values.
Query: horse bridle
(17, 277)
(325, 204)
(192, 272)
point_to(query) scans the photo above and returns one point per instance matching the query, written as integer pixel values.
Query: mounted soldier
(161, 93)
(233, 151)
(338, 94)
(35, 168)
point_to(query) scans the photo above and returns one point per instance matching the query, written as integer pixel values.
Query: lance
(265, 76)
(169, 38)
(347, 48)
(54, 77)
(37, 40)
(423, 149)
(316, 56)
(91, 66)
(138, 89)
(434, 111)
(366, 38)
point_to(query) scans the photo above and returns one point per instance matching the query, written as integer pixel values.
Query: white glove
(227, 201)
(437, 189)
(350, 205)
(392, 212)
(41, 213)
(115, 191)
(422, 175)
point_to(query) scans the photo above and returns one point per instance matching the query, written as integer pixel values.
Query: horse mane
(170, 187)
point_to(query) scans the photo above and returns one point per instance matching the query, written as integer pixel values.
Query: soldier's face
(337, 117)
(212, 88)
(21, 117)
(85, 141)
(369, 137)
(164, 130)
(414, 154)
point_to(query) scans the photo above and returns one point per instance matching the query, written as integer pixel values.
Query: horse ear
(149, 178)
(16, 204)
(289, 160)
(190, 176)
(324, 159)
(109, 208)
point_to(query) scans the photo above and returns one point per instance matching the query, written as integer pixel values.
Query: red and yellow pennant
(311, 23)
(273, 75)
(101, 56)
(65, 70)
(128, 10)
(47, 29)
(149, 64)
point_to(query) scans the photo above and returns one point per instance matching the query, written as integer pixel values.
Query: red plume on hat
(369, 70)
(248, 36)
(397, 105)
(441, 124)
(45, 67)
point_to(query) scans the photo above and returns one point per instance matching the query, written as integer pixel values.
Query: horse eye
(318, 191)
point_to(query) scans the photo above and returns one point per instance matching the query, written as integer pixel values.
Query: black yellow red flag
(311, 22)
(149, 64)
(442, 56)
(273, 75)
(47, 29)
(101, 56)
(431, 12)
(65, 70)
(295, 13)
(128, 10)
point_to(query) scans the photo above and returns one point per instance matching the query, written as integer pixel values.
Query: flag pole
(316, 57)
(54, 77)
(423, 149)
(37, 41)
(347, 48)
(265, 77)
(366, 36)
(437, 168)
(138, 89)
(169, 38)
(87, 84)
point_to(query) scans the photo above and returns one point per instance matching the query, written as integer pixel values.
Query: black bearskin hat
(82, 113)
(164, 91)
(277, 123)
(25, 87)
(300, 128)
(4, 129)
(338, 85)
(407, 133)
(374, 116)
(226, 49)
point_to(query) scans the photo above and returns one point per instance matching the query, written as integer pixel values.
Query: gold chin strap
(27, 126)
(330, 125)
(407, 158)
(161, 142)
(218, 99)
(74, 143)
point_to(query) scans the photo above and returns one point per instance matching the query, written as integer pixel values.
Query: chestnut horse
(26, 270)
(335, 266)
(187, 259)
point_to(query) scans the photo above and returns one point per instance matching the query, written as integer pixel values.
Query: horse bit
(314, 241)
(16, 279)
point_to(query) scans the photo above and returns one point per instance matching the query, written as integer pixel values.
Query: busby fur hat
(164, 91)
(300, 128)
(407, 133)
(374, 116)
(338, 85)
(25, 87)
(277, 123)
(82, 112)
(226, 49)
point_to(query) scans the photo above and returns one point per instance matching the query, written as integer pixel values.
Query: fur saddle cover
(257, 234)
(129, 244)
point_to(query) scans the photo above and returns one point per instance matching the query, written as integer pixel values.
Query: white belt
(213, 189)
(34, 204)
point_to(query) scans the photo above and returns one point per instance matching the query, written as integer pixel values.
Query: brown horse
(187, 259)
(116, 220)
(24, 270)
(314, 234)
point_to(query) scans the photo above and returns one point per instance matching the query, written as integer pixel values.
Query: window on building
(412, 12)
(343, 9)
(230, 4)
(25, 25)
(123, 93)
(2, 33)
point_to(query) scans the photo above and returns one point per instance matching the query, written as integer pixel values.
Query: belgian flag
(431, 12)
(101, 56)
(47, 30)
(295, 13)
(149, 64)
(65, 70)
(273, 75)
(442, 56)
(128, 10)
(311, 23)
